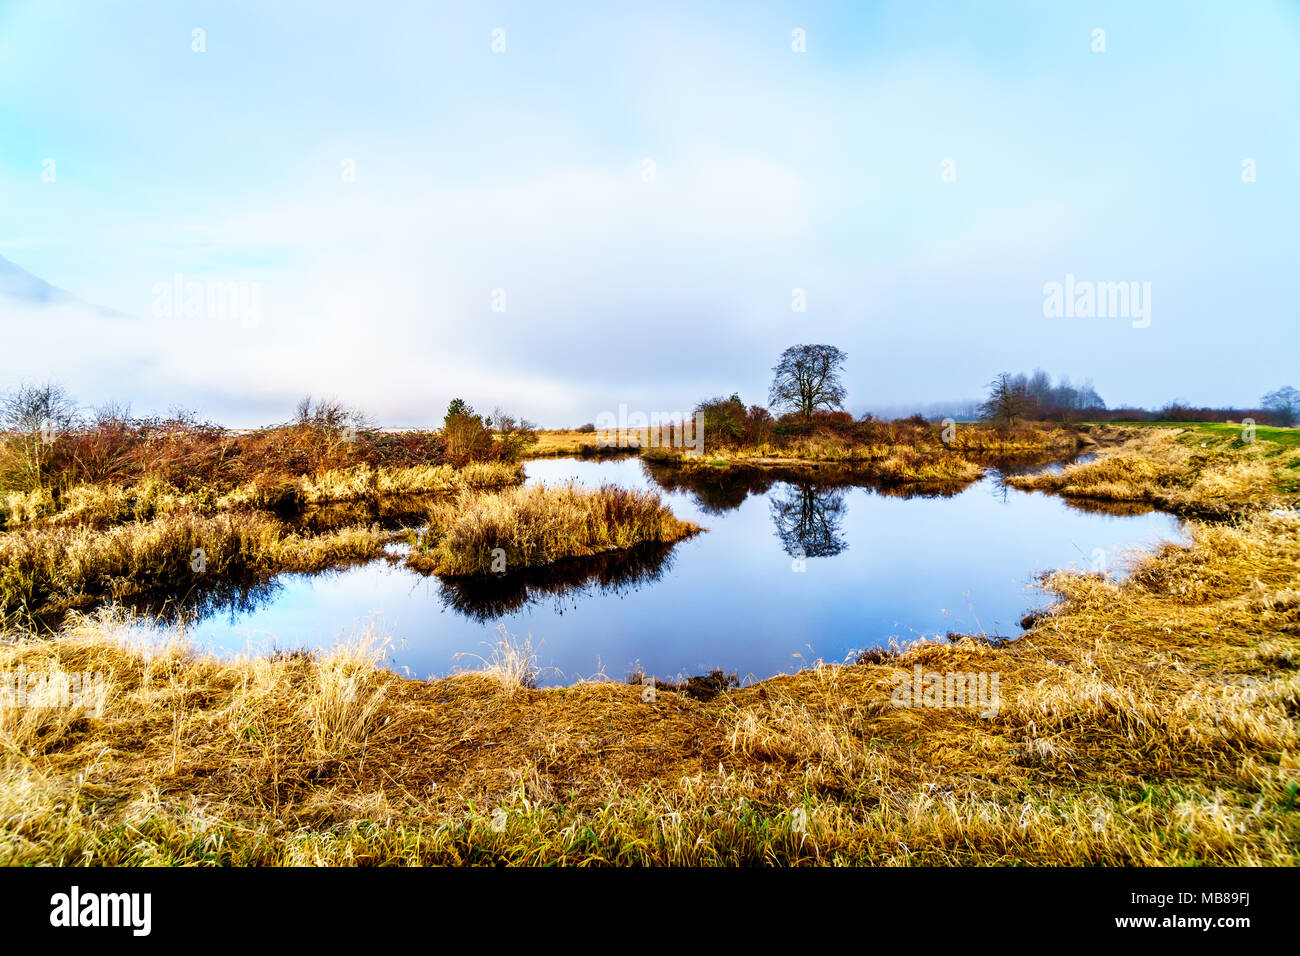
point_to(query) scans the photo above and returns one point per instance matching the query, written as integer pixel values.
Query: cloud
(520, 179)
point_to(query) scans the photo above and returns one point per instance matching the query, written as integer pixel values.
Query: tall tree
(806, 378)
(1006, 402)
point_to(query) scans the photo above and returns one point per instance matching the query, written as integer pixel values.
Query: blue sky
(523, 171)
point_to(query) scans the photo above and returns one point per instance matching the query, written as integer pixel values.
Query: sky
(642, 204)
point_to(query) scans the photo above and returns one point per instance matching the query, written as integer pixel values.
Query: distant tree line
(49, 444)
(807, 395)
(1035, 397)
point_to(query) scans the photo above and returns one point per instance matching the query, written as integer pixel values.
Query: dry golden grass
(1149, 721)
(921, 457)
(540, 525)
(106, 504)
(1146, 722)
(565, 443)
(52, 568)
(366, 482)
(117, 540)
(919, 460)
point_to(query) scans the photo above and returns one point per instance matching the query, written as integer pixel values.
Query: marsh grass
(904, 456)
(539, 525)
(121, 540)
(899, 453)
(50, 569)
(1153, 720)
(566, 443)
(511, 662)
(1147, 721)
(105, 504)
(365, 482)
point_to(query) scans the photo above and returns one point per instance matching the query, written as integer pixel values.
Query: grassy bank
(1232, 431)
(179, 511)
(570, 443)
(109, 503)
(536, 526)
(1189, 471)
(909, 452)
(1151, 721)
(905, 445)
(111, 467)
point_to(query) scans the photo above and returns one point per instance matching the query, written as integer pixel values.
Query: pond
(791, 569)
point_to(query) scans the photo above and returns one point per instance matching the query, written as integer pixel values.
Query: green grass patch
(1223, 430)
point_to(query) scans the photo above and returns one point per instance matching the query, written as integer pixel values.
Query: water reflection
(882, 562)
(211, 597)
(714, 491)
(719, 490)
(807, 516)
(616, 572)
(809, 519)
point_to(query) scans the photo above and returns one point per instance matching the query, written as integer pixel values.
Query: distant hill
(21, 287)
(17, 283)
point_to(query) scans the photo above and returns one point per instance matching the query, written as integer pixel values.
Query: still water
(789, 571)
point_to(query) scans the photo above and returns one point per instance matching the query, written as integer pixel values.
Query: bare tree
(329, 414)
(1284, 403)
(1006, 403)
(33, 416)
(113, 414)
(806, 378)
(332, 420)
(513, 434)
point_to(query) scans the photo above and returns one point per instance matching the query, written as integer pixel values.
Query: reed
(49, 569)
(107, 503)
(534, 526)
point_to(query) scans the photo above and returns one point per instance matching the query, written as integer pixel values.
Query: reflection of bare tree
(808, 519)
(718, 490)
